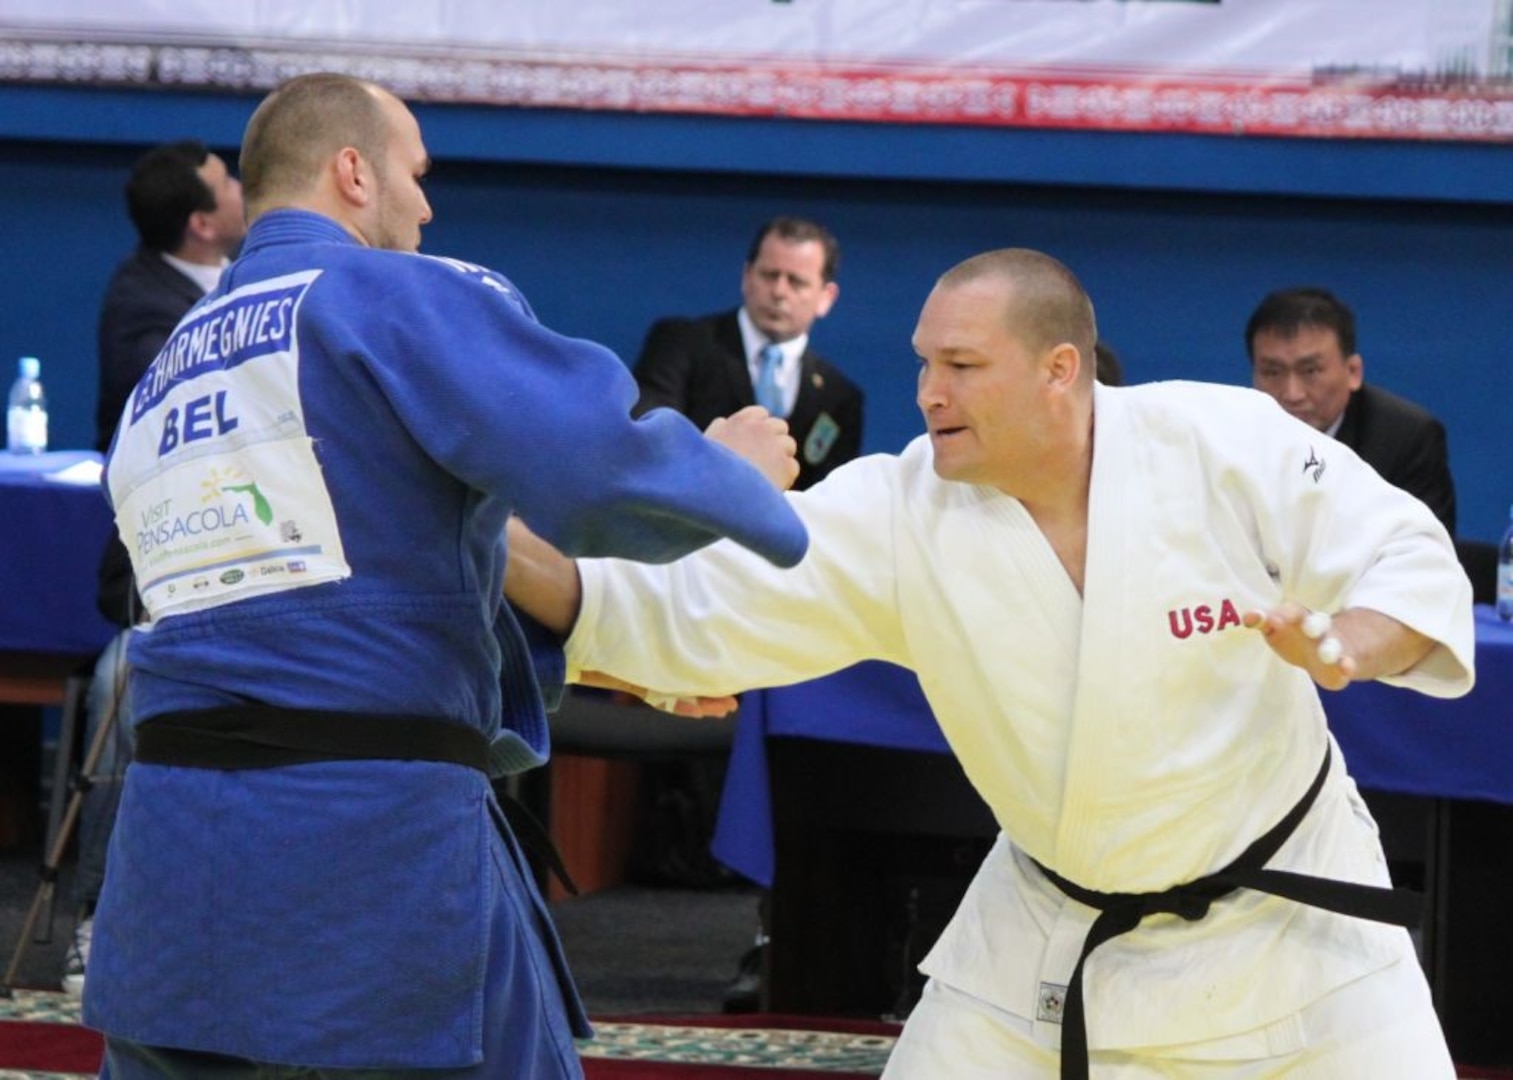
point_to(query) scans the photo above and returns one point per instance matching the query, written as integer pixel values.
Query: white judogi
(1130, 738)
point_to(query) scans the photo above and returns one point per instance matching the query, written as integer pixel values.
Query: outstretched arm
(544, 583)
(543, 421)
(1356, 644)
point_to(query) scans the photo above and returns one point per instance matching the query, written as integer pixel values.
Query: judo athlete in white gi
(1102, 592)
(311, 874)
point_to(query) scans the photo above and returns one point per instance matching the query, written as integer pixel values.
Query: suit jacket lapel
(807, 405)
(1349, 431)
(732, 355)
(170, 276)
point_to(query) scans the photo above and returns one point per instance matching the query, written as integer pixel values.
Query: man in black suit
(713, 366)
(1302, 352)
(187, 209)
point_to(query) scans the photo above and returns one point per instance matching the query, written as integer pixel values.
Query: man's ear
(354, 177)
(200, 227)
(1357, 368)
(829, 293)
(1063, 364)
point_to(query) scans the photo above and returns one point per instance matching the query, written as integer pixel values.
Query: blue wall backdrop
(607, 221)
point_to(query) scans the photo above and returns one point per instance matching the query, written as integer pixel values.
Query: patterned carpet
(775, 1047)
(794, 1045)
(40, 1005)
(692, 1047)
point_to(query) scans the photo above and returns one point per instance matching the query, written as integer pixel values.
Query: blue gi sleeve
(523, 740)
(544, 421)
(548, 658)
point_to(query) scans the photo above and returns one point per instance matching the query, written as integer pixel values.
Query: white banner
(1433, 69)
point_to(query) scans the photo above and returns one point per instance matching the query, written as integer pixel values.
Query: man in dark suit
(713, 366)
(187, 209)
(1302, 352)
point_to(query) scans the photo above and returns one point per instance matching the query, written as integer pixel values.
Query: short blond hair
(1046, 305)
(299, 126)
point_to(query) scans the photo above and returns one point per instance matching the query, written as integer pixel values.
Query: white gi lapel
(1109, 641)
(1041, 575)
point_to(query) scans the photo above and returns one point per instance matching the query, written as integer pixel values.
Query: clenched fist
(762, 440)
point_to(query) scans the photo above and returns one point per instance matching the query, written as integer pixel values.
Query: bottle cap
(30, 367)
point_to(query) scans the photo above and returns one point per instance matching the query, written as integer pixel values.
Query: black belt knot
(1187, 902)
(1187, 905)
(1119, 913)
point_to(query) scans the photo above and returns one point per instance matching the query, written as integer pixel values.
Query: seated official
(1302, 352)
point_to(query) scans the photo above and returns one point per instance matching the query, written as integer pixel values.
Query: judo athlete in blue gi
(310, 874)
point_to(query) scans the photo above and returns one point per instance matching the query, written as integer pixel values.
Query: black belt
(267, 737)
(1122, 912)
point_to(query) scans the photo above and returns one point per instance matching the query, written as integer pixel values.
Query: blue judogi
(313, 480)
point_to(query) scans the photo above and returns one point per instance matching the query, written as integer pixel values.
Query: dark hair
(1287, 311)
(1106, 365)
(164, 189)
(797, 230)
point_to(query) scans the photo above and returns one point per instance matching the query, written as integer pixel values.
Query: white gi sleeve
(720, 621)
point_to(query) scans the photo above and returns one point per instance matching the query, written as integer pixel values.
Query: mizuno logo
(1314, 464)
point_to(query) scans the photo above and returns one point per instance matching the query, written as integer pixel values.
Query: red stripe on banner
(1348, 103)
(1342, 109)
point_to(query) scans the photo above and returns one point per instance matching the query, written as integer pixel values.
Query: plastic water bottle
(26, 418)
(1505, 572)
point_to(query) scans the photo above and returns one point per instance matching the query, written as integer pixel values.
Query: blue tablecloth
(1393, 740)
(51, 536)
(1396, 740)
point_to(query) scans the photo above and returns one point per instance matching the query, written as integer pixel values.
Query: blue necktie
(768, 395)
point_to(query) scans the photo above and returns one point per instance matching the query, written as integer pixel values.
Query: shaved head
(299, 127)
(1045, 305)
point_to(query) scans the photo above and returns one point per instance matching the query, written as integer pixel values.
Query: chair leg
(64, 804)
(70, 739)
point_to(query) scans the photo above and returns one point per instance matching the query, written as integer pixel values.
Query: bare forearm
(1380, 644)
(540, 580)
(1366, 644)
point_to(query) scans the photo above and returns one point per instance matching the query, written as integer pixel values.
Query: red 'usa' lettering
(1203, 618)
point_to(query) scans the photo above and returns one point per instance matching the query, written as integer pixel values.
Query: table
(1393, 739)
(50, 544)
(1452, 759)
(52, 534)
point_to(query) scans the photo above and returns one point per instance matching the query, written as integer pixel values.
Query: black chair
(630, 790)
(596, 723)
